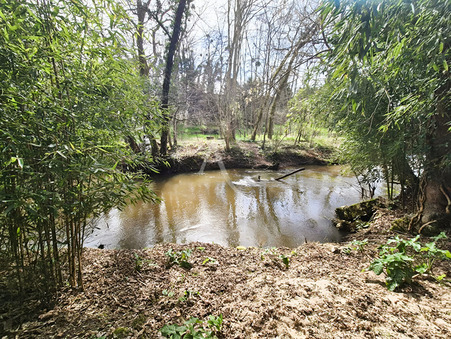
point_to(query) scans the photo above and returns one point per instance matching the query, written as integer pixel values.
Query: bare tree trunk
(174, 129)
(242, 11)
(270, 85)
(259, 118)
(167, 76)
(141, 13)
(276, 100)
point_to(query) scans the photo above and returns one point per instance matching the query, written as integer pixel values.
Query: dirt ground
(210, 154)
(324, 293)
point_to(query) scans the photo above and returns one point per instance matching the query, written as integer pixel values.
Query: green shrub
(179, 258)
(194, 328)
(407, 259)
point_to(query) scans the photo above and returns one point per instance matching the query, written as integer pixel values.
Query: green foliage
(194, 328)
(215, 323)
(359, 244)
(188, 295)
(70, 96)
(272, 253)
(285, 260)
(305, 122)
(179, 258)
(121, 332)
(431, 253)
(387, 65)
(167, 293)
(209, 260)
(406, 259)
(138, 262)
(398, 268)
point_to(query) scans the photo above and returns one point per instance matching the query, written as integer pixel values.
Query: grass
(314, 137)
(187, 133)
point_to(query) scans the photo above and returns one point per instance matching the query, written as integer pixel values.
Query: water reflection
(233, 208)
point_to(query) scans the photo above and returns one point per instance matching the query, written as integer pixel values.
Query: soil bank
(210, 155)
(324, 293)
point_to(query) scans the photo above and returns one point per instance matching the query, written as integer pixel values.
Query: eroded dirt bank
(322, 294)
(210, 155)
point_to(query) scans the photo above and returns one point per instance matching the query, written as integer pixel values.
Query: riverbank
(323, 291)
(210, 154)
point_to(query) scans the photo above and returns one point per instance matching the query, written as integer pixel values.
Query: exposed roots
(425, 225)
(421, 201)
(448, 199)
(416, 220)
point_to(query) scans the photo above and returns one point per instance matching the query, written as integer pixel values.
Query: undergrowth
(194, 328)
(404, 259)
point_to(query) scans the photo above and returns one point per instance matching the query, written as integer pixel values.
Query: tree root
(426, 224)
(448, 199)
(416, 219)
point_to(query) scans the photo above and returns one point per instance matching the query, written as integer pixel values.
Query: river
(233, 208)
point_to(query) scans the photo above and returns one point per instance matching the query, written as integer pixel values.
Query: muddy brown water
(233, 208)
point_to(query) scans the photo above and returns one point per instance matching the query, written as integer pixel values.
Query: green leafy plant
(187, 295)
(215, 322)
(359, 245)
(194, 328)
(285, 260)
(431, 253)
(346, 250)
(209, 260)
(179, 258)
(406, 259)
(167, 293)
(273, 253)
(138, 262)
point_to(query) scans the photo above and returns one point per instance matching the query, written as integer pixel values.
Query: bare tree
(239, 14)
(294, 45)
(167, 76)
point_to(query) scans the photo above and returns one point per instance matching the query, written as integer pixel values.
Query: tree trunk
(272, 83)
(259, 118)
(141, 13)
(272, 111)
(435, 203)
(174, 129)
(167, 77)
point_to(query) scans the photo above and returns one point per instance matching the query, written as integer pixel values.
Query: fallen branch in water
(287, 175)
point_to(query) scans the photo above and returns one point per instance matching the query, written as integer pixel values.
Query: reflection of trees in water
(134, 232)
(271, 198)
(158, 222)
(265, 213)
(233, 235)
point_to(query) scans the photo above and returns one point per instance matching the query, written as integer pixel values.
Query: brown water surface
(233, 208)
